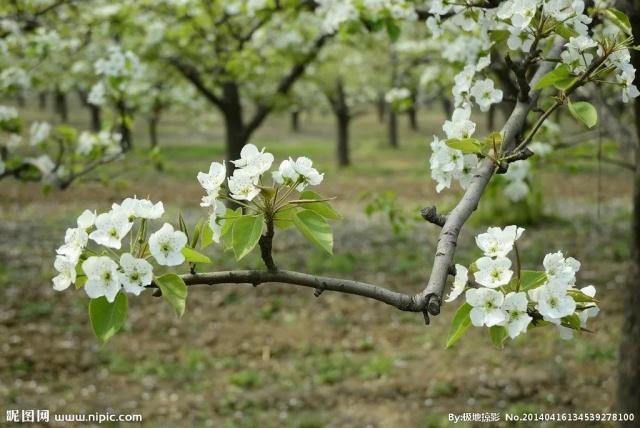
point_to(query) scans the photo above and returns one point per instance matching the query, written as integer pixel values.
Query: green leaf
(174, 291)
(315, 229)
(81, 281)
(459, 325)
(559, 73)
(230, 217)
(183, 225)
(499, 36)
(194, 256)
(498, 335)
(323, 208)
(197, 232)
(107, 318)
(246, 234)
(393, 30)
(619, 19)
(530, 279)
(284, 217)
(565, 31)
(206, 236)
(566, 83)
(465, 145)
(580, 297)
(572, 321)
(584, 112)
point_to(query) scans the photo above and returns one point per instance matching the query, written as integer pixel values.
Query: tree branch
(262, 110)
(193, 76)
(431, 297)
(401, 301)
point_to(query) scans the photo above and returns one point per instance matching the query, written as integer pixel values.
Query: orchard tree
(35, 38)
(244, 57)
(345, 75)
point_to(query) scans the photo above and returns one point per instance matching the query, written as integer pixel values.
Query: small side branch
(431, 215)
(266, 247)
(401, 301)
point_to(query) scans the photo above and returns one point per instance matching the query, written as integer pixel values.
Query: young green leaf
(194, 256)
(246, 233)
(530, 279)
(206, 235)
(284, 217)
(619, 19)
(315, 229)
(107, 318)
(498, 334)
(459, 325)
(229, 219)
(580, 297)
(562, 72)
(584, 112)
(465, 145)
(323, 208)
(174, 291)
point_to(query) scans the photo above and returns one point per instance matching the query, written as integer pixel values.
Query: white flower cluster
(498, 301)
(131, 272)
(104, 141)
(247, 180)
(121, 72)
(39, 132)
(334, 13)
(397, 94)
(447, 163)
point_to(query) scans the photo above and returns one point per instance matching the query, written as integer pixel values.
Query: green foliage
(584, 112)
(315, 228)
(459, 325)
(465, 145)
(194, 256)
(619, 19)
(108, 318)
(559, 77)
(174, 291)
(498, 335)
(322, 208)
(530, 279)
(246, 234)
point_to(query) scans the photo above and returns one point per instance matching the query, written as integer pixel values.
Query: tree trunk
(412, 114)
(235, 133)
(393, 129)
(96, 117)
(124, 126)
(295, 121)
(42, 100)
(60, 105)
(491, 118)
(153, 129)
(629, 355)
(447, 106)
(380, 107)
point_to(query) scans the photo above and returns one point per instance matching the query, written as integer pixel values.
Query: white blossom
(216, 220)
(253, 161)
(486, 305)
(166, 245)
(86, 220)
(242, 186)
(493, 273)
(103, 278)
(553, 303)
(136, 273)
(75, 240)
(66, 268)
(459, 283)
(485, 94)
(212, 180)
(39, 132)
(111, 227)
(497, 242)
(517, 321)
(561, 269)
(459, 126)
(140, 208)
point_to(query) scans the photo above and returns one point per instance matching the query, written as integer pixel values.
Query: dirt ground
(275, 355)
